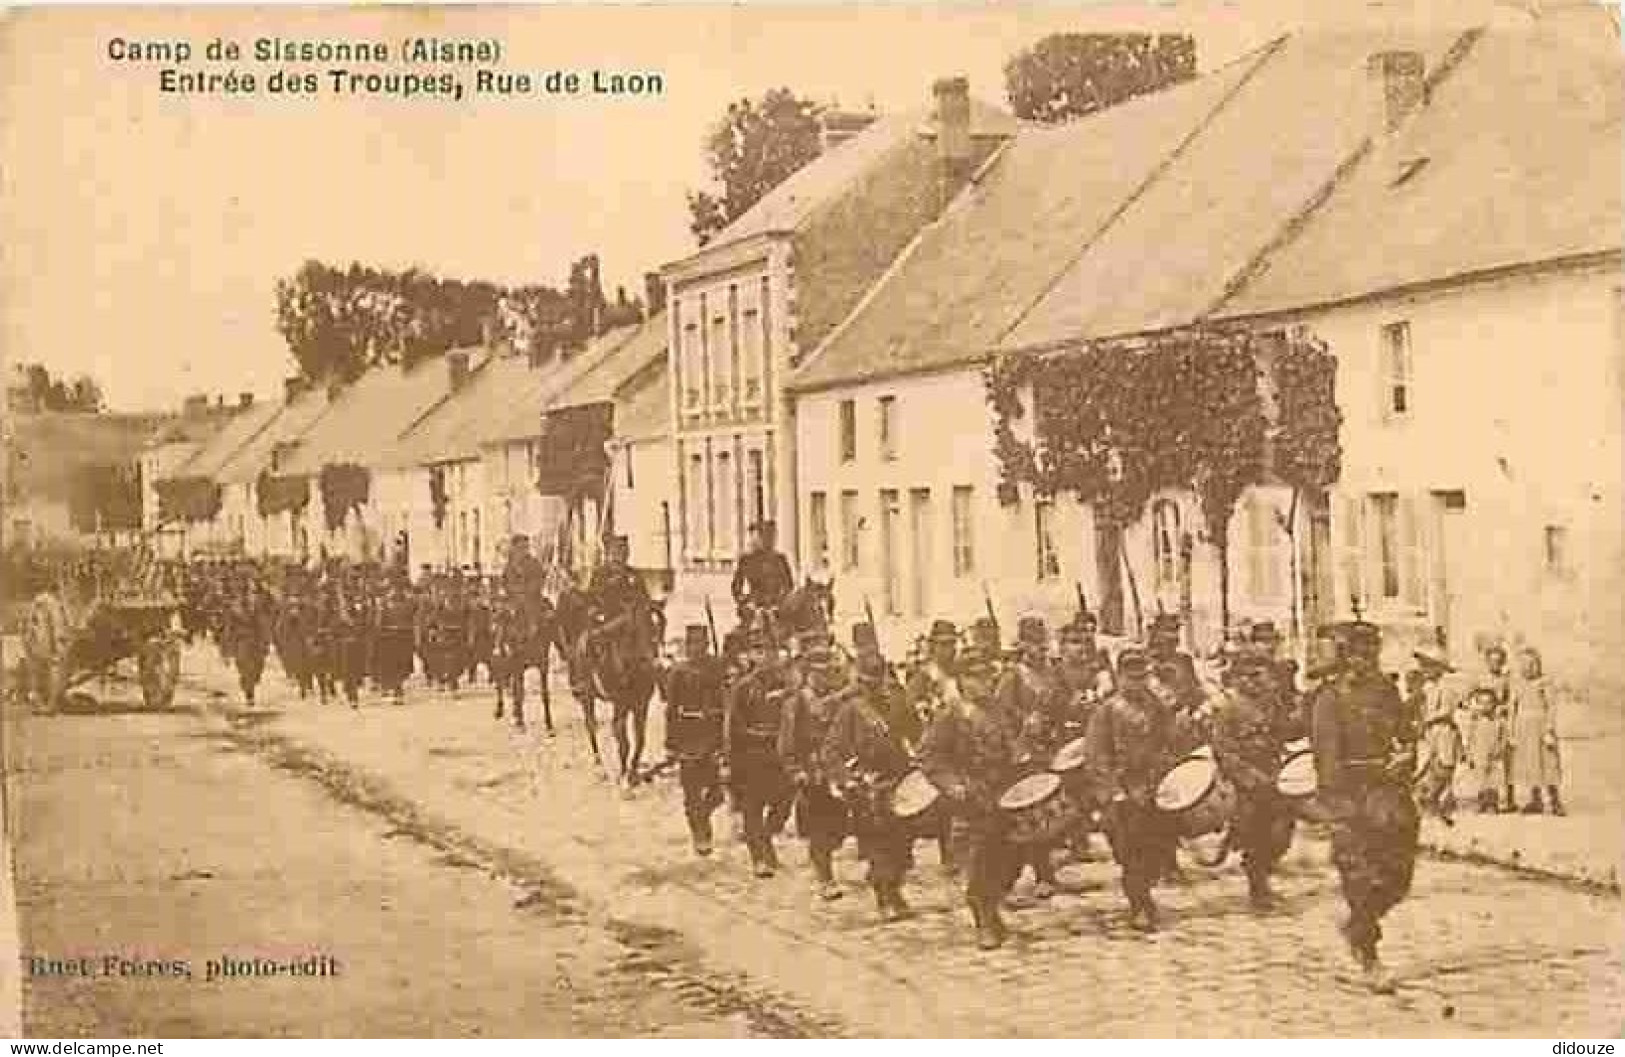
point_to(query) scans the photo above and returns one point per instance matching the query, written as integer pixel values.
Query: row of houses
(1441, 207)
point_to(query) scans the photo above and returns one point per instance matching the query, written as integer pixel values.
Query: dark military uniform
(1362, 739)
(695, 716)
(251, 625)
(481, 633)
(970, 752)
(1134, 738)
(1251, 725)
(294, 634)
(1029, 694)
(821, 816)
(763, 793)
(397, 618)
(865, 755)
(355, 623)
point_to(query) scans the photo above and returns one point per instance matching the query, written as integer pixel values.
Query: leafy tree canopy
(753, 148)
(1068, 75)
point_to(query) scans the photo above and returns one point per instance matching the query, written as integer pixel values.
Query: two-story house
(745, 309)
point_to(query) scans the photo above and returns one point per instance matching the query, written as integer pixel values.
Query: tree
(86, 395)
(1068, 75)
(754, 147)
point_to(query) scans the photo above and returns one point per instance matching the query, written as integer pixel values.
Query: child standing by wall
(1487, 749)
(1535, 762)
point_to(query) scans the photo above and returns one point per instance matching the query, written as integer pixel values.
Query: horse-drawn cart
(119, 626)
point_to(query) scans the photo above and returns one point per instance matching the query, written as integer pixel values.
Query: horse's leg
(640, 724)
(500, 680)
(547, 692)
(516, 677)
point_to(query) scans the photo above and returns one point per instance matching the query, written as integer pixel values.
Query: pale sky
(143, 233)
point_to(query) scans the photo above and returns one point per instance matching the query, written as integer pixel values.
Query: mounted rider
(616, 595)
(762, 578)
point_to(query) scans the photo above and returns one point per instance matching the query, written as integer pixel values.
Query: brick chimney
(245, 401)
(456, 370)
(1397, 85)
(654, 294)
(952, 96)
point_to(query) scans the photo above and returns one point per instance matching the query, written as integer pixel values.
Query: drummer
(969, 752)
(1252, 724)
(932, 682)
(1030, 696)
(1084, 678)
(865, 754)
(1135, 737)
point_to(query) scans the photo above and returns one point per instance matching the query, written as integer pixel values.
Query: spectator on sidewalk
(1497, 679)
(1440, 747)
(1535, 762)
(1487, 750)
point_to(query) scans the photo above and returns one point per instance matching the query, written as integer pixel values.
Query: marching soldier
(1134, 737)
(480, 633)
(695, 716)
(821, 817)
(865, 755)
(1252, 723)
(763, 792)
(251, 621)
(932, 684)
(970, 752)
(397, 617)
(1173, 668)
(1029, 695)
(762, 578)
(1364, 750)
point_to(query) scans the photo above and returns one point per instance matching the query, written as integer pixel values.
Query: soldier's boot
(1376, 975)
(988, 935)
(1553, 799)
(699, 828)
(824, 875)
(1043, 876)
(889, 898)
(1259, 893)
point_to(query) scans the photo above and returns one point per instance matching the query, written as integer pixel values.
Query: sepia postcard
(848, 520)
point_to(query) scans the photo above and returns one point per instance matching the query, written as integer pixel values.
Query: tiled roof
(789, 205)
(208, 459)
(1251, 190)
(971, 275)
(1260, 160)
(291, 422)
(646, 343)
(450, 431)
(1523, 164)
(368, 416)
(643, 412)
(520, 416)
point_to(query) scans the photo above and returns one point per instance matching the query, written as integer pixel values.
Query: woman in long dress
(1535, 762)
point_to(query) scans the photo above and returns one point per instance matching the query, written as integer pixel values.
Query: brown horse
(620, 667)
(524, 637)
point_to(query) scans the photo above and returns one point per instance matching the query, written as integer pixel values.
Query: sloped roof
(208, 459)
(368, 416)
(793, 202)
(643, 412)
(1260, 160)
(1523, 164)
(523, 405)
(645, 344)
(49, 449)
(291, 422)
(450, 431)
(971, 275)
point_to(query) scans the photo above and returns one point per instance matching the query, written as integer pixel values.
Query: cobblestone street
(1477, 949)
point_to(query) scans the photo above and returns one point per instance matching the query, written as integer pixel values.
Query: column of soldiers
(807, 729)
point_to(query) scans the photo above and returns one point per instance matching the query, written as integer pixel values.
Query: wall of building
(645, 502)
(1505, 466)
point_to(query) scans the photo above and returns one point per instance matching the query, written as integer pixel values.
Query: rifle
(711, 622)
(987, 601)
(869, 614)
(1083, 600)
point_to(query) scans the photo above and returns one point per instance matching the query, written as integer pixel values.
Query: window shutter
(1348, 530)
(1413, 562)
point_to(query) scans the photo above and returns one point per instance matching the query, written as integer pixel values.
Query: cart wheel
(160, 664)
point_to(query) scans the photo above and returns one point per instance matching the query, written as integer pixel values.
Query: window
(1396, 562)
(851, 555)
(693, 365)
(721, 362)
(849, 430)
(1396, 370)
(1263, 550)
(890, 511)
(964, 531)
(751, 360)
(920, 519)
(696, 503)
(757, 485)
(818, 516)
(887, 421)
(733, 338)
(1557, 549)
(725, 499)
(1048, 562)
(1165, 542)
(767, 336)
